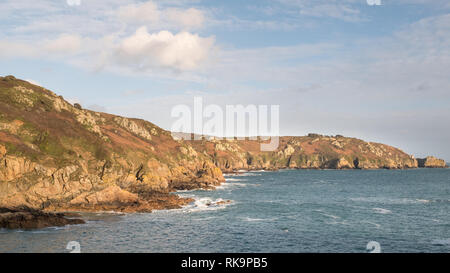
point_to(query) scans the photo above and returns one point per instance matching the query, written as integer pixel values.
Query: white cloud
(102, 35)
(182, 51)
(142, 51)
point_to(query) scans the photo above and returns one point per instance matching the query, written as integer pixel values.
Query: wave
(106, 212)
(398, 201)
(235, 179)
(387, 200)
(207, 204)
(382, 211)
(227, 186)
(247, 174)
(205, 218)
(230, 185)
(327, 215)
(372, 223)
(249, 219)
(334, 222)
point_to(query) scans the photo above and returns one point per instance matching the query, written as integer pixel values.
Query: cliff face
(55, 156)
(431, 162)
(308, 152)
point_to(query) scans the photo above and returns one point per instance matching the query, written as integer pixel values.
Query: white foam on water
(387, 200)
(227, 186)
(249, 174)
(200, 204)
(345, 223)
(109, 212)
(204, 219)
(184, 191)
(372, 223)
(249, 219)
(40, 231)
(329, 215)
(381, 211)
(235, 179)
(207, 204)
(185, 194)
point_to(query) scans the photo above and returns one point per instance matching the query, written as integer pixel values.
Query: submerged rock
(25, 218)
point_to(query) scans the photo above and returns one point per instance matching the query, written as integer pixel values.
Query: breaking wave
(382, 211)
(392, 201)
(249, 219)
(207, 204)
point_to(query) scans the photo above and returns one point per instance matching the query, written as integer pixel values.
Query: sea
(286, 211)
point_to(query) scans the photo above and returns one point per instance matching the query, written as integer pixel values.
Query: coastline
(82, 160)
(28, 218)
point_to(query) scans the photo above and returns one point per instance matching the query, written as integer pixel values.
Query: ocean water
(285, 211)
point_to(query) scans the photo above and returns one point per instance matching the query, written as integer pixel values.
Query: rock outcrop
(58, 157)
(31, 219)
(306, 152)
(431, 162)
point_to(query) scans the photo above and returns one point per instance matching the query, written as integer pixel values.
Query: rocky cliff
(431, 162)
(56, 156)
(308, 152)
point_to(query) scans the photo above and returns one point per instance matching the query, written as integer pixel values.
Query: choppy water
(286, 211)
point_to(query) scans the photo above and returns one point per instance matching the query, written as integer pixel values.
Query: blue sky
(376, 72)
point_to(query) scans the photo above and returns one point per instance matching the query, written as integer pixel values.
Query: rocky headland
(431, 162)
(57, 157)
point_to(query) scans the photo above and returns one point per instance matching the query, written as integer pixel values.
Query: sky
(378, 70)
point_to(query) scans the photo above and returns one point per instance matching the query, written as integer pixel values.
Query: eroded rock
(431, 162)
(25, 218)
